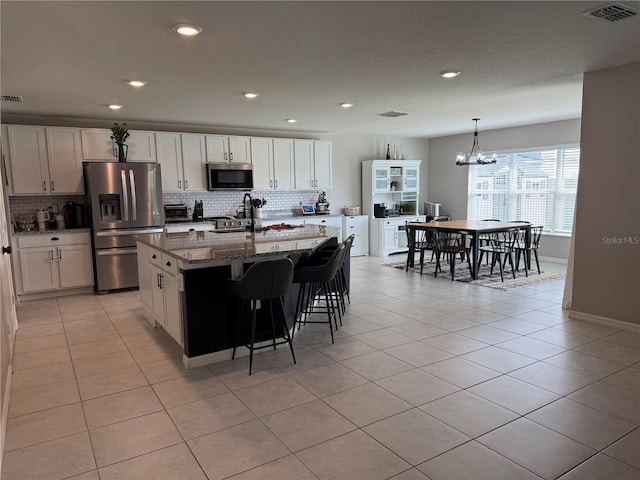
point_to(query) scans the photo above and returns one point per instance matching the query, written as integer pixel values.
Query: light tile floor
(428, 378)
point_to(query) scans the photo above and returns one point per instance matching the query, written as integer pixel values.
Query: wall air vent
(12, 98)
(393, 114)
(612, 12)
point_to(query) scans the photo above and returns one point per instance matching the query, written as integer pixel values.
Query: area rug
(486, 279)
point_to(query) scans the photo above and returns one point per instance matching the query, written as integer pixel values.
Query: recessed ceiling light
(137, 83)
(251, 95)
(292, 120)
(187, 30)
(449, 73)
(114, 106)
(347, 104)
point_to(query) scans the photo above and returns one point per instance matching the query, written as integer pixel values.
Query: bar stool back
(264, 281)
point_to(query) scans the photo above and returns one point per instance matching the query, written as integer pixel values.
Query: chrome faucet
(244, 201)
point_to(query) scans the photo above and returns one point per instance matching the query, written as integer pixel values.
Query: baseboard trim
(562, 261)
(5, 413)
(607, 322)
(221, 356)
(53, 293)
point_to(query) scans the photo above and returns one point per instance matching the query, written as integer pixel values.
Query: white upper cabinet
(283, 164)
(169, 149)
(65, 160)
(303, 153)
(44, 160)
(262, 160)
(313, 165)
(194, 159)
(97, 144)
(228, 149)
(182, 158)
(323, 164)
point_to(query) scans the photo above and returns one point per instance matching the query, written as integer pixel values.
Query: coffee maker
(380, 210)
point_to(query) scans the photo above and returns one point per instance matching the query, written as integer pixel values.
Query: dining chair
(483, 238)
(450, 245)
(525, 250)
(501, 247)
(417, 242)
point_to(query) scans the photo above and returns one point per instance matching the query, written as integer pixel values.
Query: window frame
(555, 221)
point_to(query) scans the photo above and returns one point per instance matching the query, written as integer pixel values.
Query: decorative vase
(123, 149)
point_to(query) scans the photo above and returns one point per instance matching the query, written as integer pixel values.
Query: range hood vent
(612, 12)
(12, 98)
(393, 114)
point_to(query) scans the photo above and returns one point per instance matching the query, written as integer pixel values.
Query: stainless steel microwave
(229, 176)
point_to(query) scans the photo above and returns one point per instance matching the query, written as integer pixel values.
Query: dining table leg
(474, 257)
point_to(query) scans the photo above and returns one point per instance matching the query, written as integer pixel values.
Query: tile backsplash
(215, 203)
(226, 203)
(29, 205)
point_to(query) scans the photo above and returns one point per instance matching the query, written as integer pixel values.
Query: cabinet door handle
(53, 186)
(54, 239)
(186, 184)
(59, 257)
(153, 256)
(311, 182)
(44, 185)
(270, 183)
(276, 183)
(316, 183)
(179, 183)
(225, 156)
(231, 156)
(168, 264)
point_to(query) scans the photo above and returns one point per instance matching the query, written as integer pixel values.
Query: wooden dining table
(474, 228)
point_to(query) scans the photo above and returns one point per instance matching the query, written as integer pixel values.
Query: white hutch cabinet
(395, 183)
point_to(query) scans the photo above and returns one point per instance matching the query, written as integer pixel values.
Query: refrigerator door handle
(141, 231)
(134, 203)
(116, 251)
(125, 195)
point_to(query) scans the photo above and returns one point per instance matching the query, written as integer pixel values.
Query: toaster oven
(176, 213)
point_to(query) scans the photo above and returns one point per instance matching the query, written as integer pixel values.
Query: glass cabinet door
(411, 179)
(381, 179)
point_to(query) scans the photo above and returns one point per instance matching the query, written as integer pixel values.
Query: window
(538, 186)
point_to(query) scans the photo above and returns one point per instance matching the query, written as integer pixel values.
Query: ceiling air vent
(12, 98)
(612, 12)
(393, 114)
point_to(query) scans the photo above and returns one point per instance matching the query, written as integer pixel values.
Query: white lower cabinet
(159, 290)
(388, 235)
(327, 221)
(359, 226)
(54, 261)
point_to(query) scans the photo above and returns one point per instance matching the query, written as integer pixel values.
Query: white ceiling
(521, 62)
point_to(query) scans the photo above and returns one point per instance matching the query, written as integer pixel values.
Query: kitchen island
(182, 282)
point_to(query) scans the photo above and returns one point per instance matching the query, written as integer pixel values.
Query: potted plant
(394, 185)
(120, 133)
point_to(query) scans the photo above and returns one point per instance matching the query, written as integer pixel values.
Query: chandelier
(476, 156)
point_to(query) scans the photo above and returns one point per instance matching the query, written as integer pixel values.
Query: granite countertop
(201, 247)
(52, 232)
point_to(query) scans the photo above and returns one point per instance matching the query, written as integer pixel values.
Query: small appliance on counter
(42, 217)
(176, 213)
(380, 210)
(198, 211)
(322, 206)
(73, 215)
(308, 209)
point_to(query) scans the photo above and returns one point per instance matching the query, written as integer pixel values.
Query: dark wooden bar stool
(266, 281)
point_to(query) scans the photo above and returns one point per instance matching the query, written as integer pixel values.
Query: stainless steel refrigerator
(123, 200)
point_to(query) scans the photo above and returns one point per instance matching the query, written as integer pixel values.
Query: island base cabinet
(159, 291)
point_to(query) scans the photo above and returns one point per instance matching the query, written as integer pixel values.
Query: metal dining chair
(450, 245)
(501, 247)
(525, 250)
(417, 242)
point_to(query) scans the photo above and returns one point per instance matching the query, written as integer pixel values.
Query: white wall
(350, 152)
(606, 280)
(448, 183)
